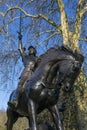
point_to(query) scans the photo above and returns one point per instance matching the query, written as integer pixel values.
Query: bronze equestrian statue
(59, 67)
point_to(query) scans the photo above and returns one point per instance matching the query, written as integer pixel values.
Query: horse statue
(59, 67)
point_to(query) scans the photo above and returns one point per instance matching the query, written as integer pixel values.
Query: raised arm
(20, 47)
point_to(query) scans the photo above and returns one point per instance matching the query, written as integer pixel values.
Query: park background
(44, 23)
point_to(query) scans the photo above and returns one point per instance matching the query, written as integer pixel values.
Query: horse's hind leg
(11, 118)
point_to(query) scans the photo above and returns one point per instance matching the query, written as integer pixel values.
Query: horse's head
(69, 70)
(66, 66)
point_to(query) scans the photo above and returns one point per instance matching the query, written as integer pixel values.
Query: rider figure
(29, 62)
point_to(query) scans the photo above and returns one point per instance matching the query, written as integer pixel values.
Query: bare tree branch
(83, 39)
(47, 39)
(46, 31)
(83, 11)
(77, 26)
(49, 21)
(1, 13)
(34, 16)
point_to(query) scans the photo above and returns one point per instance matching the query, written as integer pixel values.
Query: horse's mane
(64, 49)
(67, 49)
(55, 48)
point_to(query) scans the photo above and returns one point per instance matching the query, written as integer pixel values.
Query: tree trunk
(81, 99)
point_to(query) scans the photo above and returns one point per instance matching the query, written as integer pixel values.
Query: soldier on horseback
(29, 62)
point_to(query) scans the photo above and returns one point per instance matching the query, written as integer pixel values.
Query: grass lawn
(21, 123)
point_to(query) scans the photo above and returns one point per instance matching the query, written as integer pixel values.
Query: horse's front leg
(32, 115)
(56, 117)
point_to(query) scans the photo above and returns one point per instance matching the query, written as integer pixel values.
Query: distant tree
(44, 24)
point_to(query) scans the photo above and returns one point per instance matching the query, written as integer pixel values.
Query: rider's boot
(14, 103)
(20, 90)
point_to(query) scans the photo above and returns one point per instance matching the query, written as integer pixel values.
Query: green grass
(21, 123)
